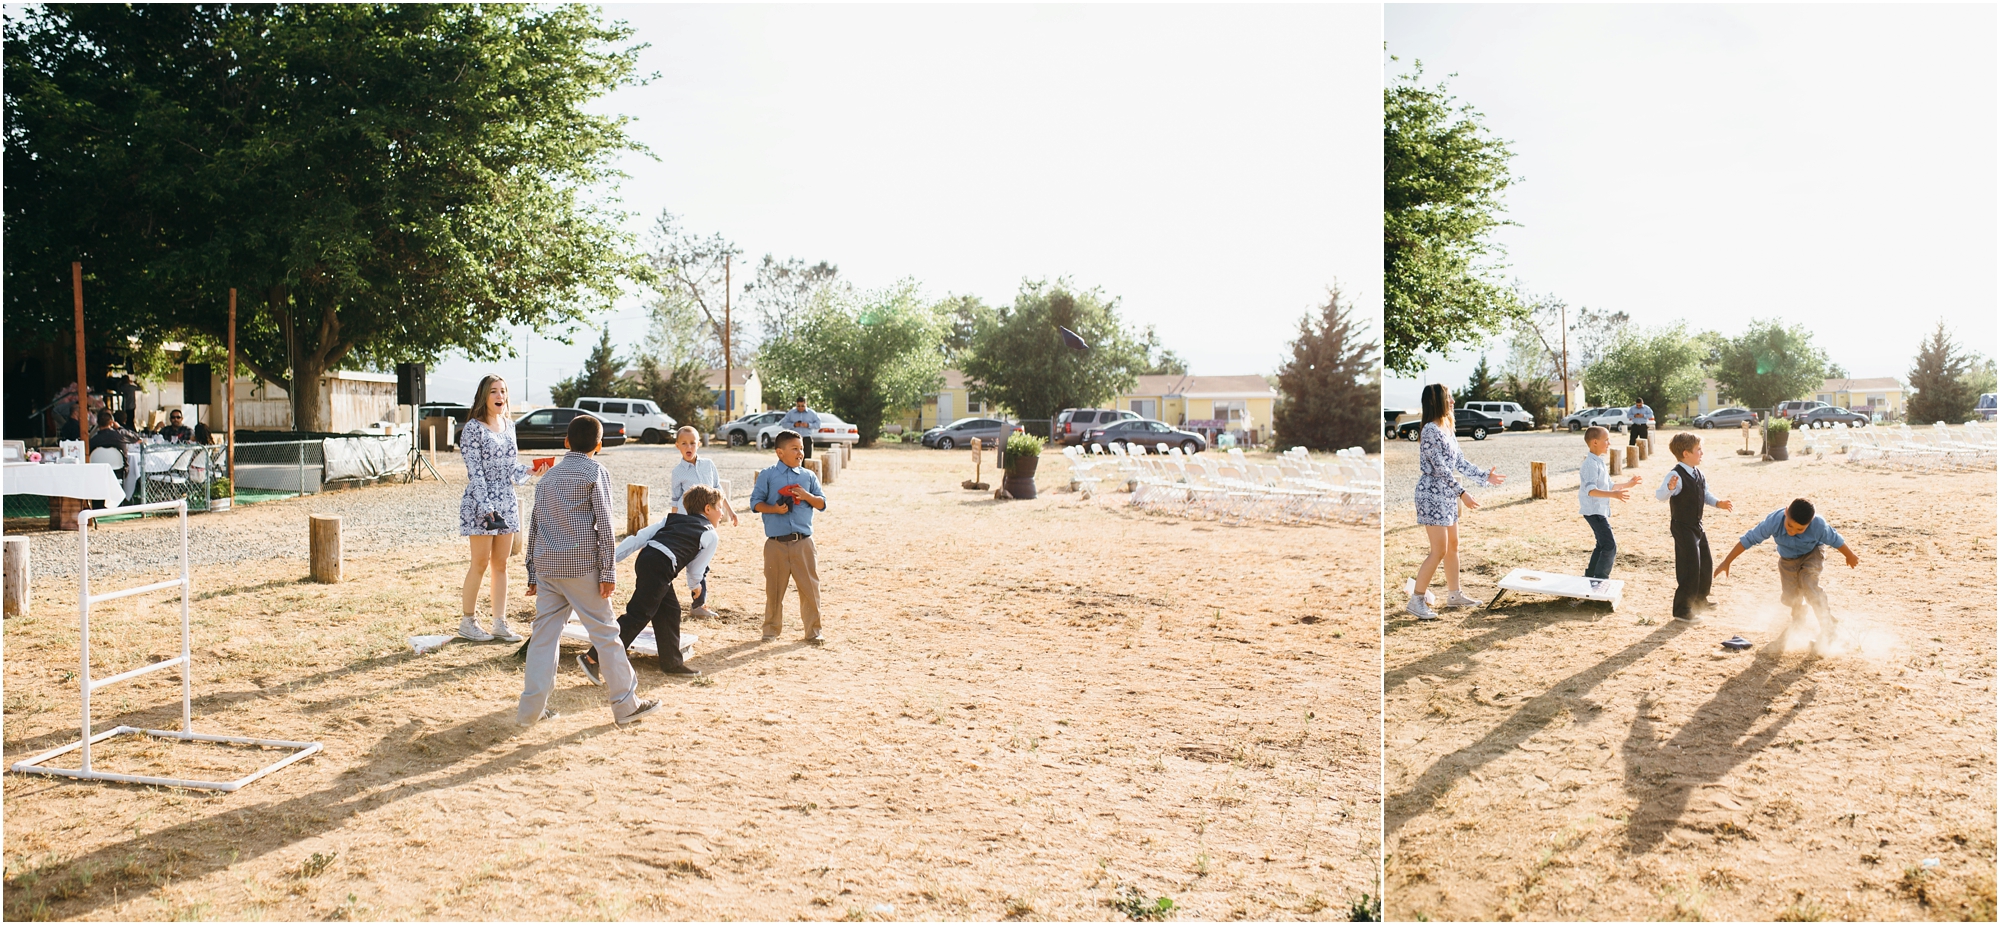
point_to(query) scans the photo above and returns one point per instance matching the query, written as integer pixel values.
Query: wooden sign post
(325, 548)
(637, 516)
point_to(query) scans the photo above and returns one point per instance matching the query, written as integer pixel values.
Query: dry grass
(1023, 709)
(1546, 761)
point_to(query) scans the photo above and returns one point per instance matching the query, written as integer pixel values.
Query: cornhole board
(646, 644)
(1608, 590)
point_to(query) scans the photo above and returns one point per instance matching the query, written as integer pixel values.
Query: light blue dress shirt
(769, 481)
(1815, 535)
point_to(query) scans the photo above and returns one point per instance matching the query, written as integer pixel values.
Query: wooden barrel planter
(1020, 477)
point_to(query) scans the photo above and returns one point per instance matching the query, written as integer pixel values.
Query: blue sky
(1214, 167)
(1829, 165)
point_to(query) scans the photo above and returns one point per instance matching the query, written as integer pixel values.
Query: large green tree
(1481, 385)
(1662, 366)
(1443, 175)
(1941, 380)
(1768, 363)
(859, 354)
(1018, 357)
(381, 182)
(1329, 396)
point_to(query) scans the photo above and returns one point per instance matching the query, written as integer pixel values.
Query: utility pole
(83, 421)
(1567, 410)
(229, 396)
(729, 361)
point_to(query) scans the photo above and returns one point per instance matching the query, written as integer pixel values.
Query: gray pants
(1798, 586)
(554, 598)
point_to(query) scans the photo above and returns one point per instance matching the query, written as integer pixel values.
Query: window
(614, 407)
(1231, 411)
(1145, 407)
(565, 415)
(541, 417)
(588, 404)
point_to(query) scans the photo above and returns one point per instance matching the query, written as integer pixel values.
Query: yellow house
(1210, 404)
(1882, 395)
(1709, 399)
(955, 400)
(746, 393)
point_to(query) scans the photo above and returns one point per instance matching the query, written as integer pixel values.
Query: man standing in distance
(805, 422)
(1642, 420)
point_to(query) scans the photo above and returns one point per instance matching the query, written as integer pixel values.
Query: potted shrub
(1777, 434)
(1023, 454)
(221, 494)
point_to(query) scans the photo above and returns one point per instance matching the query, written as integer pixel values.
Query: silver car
(962, 431)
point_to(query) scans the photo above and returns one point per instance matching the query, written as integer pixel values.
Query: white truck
(642, 419)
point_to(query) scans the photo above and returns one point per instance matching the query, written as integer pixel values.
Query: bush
(1024, 445)
(222, 488)
(1780, 425)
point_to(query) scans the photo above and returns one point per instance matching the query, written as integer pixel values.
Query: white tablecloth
(91, 481)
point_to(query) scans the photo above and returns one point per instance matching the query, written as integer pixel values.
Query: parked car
(1146, 435)
(637, 414)
(743, 431)
(1796, 409)
(1509, 413)
(1073, 424)
(1725, 417)
(960, 432)
(1577, 421)
(1828, 416)
(457, 413)
(546, 428)
(1608, 418)
(1470, 423)
(832, 430)
(1989, 403)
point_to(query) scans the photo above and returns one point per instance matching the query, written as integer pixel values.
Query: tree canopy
(1662, 366)
(1018, 357)
(1443, 175)
(1941, 380)
(1768, 363)
(382, 182)
(1330, 394)
(859, 354)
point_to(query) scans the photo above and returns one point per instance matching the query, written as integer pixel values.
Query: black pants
(807, 445)
(1638, 434)
(653, 601)
(1694, 569)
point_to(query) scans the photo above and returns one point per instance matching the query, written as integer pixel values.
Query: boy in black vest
(1685, 490)
(679, 543)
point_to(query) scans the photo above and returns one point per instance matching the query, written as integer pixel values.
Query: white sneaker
(1458, 599)
(468, 628)
(704, 613)
(546, 714)
(1417, 608)
(501, 632)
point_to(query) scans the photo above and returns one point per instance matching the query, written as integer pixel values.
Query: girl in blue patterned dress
(1438, 496)
(490, 513)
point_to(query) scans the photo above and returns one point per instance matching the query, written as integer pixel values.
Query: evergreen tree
(599, 375)
(1940, 384)
(1480, 387)
(1329, 401)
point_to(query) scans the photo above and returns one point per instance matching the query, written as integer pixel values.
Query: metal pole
(229, 396)
(1567, 410)
(728, 360)
(83, 619)
(187, 660)
(82, 389)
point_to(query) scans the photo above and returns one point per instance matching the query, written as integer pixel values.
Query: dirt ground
(1030, 709)
(1549, 761)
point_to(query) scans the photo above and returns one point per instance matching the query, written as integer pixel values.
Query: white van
(1508, 412)
(641, 418)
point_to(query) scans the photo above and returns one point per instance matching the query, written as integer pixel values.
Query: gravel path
(1511, 452)
(374, 519)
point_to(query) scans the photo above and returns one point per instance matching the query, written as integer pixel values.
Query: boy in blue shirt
(1801, 537)
(787, 496)
(1594, 492)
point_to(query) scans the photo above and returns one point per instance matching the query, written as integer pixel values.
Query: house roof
(1877, 384)
(953, 379)
(1204, 386)
(713, 378)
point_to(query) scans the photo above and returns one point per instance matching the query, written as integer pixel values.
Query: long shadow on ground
(1455, 661)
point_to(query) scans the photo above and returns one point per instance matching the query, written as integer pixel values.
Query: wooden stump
(63, 511)
(1642, 448)
(1538, 480)
(325, 548)
(832, 467)
(814, 466)
(1631, 456)
(518, 545)
(14, 576)
(637, 515)
(1617, 461)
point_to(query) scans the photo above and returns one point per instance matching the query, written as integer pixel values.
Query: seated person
(174, 430)
(110, 436)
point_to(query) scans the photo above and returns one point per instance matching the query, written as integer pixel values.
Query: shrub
(1780, 425)
(1020, 446)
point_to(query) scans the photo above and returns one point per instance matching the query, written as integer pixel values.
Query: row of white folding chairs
(1198, 485)
(1905, 447)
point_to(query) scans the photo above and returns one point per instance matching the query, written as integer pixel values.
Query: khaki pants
(784, 563)
(1798, 586)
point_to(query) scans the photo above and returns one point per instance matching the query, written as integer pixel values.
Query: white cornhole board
(1609, 590)
(646, 644)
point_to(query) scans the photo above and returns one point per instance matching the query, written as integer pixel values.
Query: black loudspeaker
(410, 384)
(197, 384)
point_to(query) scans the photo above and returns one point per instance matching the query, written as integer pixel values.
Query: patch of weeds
(703, 681)
(1916, 884)
(1201, 864)
(1019, 907)
(1804, 910)
(1366, 909)
(854, 914)
(1135, 906)
(316, 865)
(350, 911)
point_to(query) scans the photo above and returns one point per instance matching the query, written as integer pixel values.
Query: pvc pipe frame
(184, 661)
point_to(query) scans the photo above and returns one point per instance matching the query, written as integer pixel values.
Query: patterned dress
(492, 469)
(1437, 487)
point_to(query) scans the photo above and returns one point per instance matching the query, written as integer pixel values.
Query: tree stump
(1631, 456)
(815, 466)
(518, 545)
(832, 467)
(637, 515)
(1617, 461)
(1538, 481)
(1644, 450)
(325, 548)
(14, 582)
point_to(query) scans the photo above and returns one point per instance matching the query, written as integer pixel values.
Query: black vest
(1684, 509)
(681, 534)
